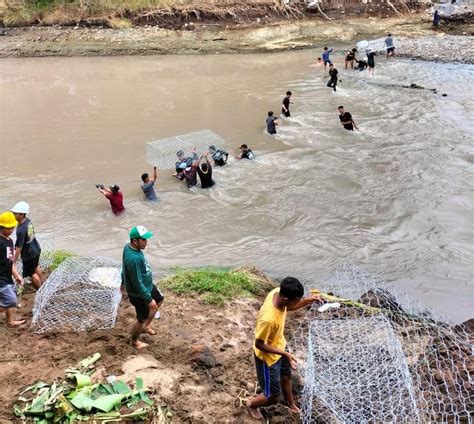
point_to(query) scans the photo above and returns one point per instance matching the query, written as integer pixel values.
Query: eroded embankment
(219, 38)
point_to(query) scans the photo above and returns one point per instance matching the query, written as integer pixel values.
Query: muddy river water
(396, 197)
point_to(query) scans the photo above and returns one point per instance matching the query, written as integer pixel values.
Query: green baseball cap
(140, 232)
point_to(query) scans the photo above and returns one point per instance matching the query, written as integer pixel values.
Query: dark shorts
(286, 113)
(390, 49)
(269, 377)
(29, 266)
(141, 306)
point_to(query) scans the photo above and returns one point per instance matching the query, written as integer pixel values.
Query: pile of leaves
(77, 398)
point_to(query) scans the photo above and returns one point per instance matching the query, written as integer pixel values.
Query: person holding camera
(114, 196)
(148, 185)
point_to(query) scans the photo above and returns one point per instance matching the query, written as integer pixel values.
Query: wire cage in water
(81, 294)
(162, 153)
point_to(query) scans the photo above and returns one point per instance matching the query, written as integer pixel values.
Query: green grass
(213, 284)
(59, 256)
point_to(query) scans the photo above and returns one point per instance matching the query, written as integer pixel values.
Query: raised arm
(155, 174)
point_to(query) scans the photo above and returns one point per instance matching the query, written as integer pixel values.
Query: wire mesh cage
(162, 153)
(381, 357)
(46, 241)
(81, 294)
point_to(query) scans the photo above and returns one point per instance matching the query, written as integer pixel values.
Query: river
(395, 197)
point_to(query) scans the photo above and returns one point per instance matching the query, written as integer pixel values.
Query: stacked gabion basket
(380, 357)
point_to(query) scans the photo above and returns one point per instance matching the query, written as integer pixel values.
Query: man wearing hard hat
(8, 299)
(27, 245)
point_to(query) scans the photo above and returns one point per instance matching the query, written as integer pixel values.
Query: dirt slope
(202, 358)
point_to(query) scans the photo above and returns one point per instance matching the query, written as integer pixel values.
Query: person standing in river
(205, 173)
(114, 196)
(148, 185)
(346, 119)
(285, 106)
(349, 58)
(26, 245)
(272, 122)
(325, 56)
(273, 362)
(371, 61)
(333, 74)
(390, 46)
(137, 280)
(245, 153)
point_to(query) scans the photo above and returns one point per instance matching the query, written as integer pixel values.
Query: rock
(203, 356)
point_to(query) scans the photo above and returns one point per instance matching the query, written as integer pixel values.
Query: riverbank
(221, 39)
(199, 365)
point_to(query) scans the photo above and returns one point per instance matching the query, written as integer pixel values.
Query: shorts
(269, 377)
(390, 49)
(141, 306)
(286, 113)
(8, 297)
(29, 266)
(327, 62)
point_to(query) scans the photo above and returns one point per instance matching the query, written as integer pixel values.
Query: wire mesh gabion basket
(162, 153)
(381, 357)
(82, 294)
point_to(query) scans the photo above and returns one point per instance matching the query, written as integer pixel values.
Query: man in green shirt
(138, 281)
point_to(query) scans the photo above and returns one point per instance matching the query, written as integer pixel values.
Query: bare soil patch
(200, 363)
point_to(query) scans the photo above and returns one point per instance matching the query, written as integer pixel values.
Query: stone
(202, 355)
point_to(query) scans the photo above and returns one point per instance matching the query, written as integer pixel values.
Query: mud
(194, 388)
(205, 38)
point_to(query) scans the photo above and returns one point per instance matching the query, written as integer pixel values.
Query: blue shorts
(269, 377)
(8, 297)
(327, 62)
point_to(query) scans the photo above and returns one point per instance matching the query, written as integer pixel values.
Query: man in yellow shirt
(273, 363)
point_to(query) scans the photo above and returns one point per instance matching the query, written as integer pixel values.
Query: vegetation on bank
(216, 285)
(126, 13)
(59, 256)
(186, 14)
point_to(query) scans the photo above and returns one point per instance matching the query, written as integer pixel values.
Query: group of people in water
(350, 59)
(187, 169)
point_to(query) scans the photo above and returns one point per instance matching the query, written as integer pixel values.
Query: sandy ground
(199, 364)
(211, 38)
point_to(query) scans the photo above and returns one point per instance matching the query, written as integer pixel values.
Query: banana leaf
(35, 387)
(109, 402)
(121, 388)
(86, 363)
(37, 406)
(82, 401)
(82, 380)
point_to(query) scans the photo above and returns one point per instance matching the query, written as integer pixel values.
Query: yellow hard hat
(7, 220)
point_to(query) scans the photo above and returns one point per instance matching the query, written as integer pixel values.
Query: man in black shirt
(346, 119)
(285, 107)
(8, 298)
(27, 245)
(245, 153)
(333, 77)
(205, 173)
